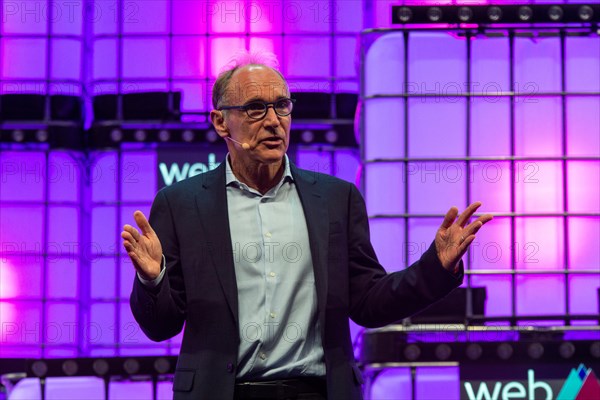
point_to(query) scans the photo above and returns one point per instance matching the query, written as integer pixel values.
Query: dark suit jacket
(199, 287)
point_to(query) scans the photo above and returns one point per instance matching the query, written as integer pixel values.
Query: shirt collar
(231, 179)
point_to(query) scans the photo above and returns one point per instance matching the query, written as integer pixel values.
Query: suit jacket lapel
(317, 223)
(211, 200)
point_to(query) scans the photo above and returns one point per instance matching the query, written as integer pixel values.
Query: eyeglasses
(258, 109)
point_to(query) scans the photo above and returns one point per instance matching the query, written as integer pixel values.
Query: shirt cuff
(156, 281)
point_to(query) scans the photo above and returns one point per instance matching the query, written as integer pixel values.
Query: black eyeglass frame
(245, 107)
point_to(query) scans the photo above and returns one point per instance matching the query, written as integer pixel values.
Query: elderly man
(265, 262)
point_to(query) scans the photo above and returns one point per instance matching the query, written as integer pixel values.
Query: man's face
(268, 137)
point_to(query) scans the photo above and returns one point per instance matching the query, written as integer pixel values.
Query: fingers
(450, 217)
(142, 222)
(468, 213)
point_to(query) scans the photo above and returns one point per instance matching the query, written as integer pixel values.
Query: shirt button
(263, 356)
(272, 315)
(272, 274)
(268, 234)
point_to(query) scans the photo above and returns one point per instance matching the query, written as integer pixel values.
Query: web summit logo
(581, 384)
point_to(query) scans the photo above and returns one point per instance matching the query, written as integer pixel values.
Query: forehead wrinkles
(241, 91)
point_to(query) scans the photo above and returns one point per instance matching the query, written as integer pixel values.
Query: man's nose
(272, 119)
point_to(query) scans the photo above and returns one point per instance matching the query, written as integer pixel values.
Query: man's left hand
(454, 236)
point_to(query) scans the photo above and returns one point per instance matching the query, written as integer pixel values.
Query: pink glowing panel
(67, 17)
(189, 57)
(583, 291)
(27, 58)
(309, 85)
(194, 96)
(66, 59)
(384, 188)
(583, 126)
(529, 55)
(21, 323)
(222, 49)
(101, 328)
(144, 58)
(129, 331)
(23, 176)
(102, 176)
(138, 176)
(443, 74)
(346, 165)
(392, 383)
(227, 16)
(490, 184)
(540, 294)
(498, 292)
(103, 352)
(584, 193)
(134, 86)
(190, 16)
(64, 176)
(264, 16)
(491, 248)
(539, 243)
(61, 352)
(348, 16)
(105, 61)
(582, 57)
(436, 186)
(307, 17)
(490, 68)
(146, 16)
(490, 126)
(61, 324)
(20, 275)
(22, 229)
(270, 44)
(63, 231)
(103, 278)
(105, 17)
(442, 136)
(130, 390)
(105, 239)
(126, 275)
(441, 383)
(584, 236)
(346, 56)
(538, 186)
(384, 66)
(538, 126)
(387, 236)
(26, 17)
(62, 278)
(298, 65)
(318, 161)
(421, 235)
(384, 128)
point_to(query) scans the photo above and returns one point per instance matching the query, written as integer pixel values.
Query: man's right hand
(143, 249)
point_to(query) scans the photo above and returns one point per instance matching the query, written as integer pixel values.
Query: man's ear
(218, 120)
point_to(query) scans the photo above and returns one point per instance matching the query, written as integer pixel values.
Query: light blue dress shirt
(277, 297)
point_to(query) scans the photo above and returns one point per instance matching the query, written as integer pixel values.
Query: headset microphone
(245, 146)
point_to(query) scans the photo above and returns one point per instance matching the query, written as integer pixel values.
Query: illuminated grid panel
(531, 158)
(182, 44)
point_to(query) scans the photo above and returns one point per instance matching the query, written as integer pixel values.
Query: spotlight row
(527, 13)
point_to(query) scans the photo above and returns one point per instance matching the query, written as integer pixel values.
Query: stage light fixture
(331, 136)
(41, 135)
(434, 14)
(39, 368)
(211, 136)
(586, 13)
(70, 367)
(443, 352)
(535, 350)
(307, 136)
(566, 350)
(474, 351)
(140, 135)
(504, 351)
(131, 366)
(465, 14)
(100, 367)
(555, 13)
(162, 365)
(404, 14)
(494, 13)
(18, 135)
(187, 135)
(116, 135)
(412, 352)
(595, 349)
(164, 135)
(525, 13)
